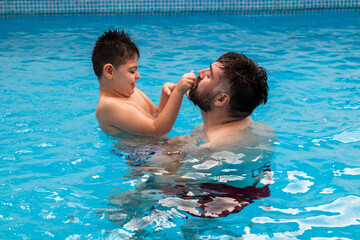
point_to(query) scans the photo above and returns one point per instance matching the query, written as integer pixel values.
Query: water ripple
(342, 212)
(57, 170)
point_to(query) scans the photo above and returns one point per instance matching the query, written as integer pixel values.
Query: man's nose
(202, 73)
(137, 75)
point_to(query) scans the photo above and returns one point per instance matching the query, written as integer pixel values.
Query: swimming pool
(61, 179)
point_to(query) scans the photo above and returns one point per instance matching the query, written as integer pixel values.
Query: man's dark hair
(114, 47)
(247, 83)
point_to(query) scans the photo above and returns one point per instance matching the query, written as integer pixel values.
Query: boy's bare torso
(108, 105)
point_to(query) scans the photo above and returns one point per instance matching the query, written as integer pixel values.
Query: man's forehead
(216, 69)
(217, 64)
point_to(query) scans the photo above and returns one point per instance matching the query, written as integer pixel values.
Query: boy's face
(126, 76)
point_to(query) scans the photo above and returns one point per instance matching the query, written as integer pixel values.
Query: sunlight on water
(348, 137)
(344, 212)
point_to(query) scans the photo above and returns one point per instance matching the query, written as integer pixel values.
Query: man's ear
(222, 99)
(108, 71)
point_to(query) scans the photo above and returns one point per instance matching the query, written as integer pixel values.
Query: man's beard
(203, 100)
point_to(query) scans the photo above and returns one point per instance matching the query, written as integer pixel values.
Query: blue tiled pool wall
(147, 6)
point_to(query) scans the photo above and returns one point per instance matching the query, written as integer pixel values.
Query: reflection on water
(212, 199)
(178, 178)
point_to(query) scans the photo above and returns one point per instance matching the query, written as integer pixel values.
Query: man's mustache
(192, 91)
(198, 79)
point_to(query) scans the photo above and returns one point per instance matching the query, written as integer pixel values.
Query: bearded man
(227, 93)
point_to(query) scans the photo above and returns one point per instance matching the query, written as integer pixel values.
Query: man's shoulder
(261, 128)
(255, 133)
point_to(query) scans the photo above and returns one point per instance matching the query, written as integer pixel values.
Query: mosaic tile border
(34, 7)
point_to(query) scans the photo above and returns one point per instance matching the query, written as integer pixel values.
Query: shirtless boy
(122, 107)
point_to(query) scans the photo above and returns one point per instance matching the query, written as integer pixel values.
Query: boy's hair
(114, 47)
(246, 82)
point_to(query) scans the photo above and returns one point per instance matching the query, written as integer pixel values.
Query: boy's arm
(149, 102)
(166, 90)
(129, 119)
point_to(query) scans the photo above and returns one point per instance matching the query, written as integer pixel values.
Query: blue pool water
(62, 178)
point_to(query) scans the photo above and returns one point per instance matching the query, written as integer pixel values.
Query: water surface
(61, 178)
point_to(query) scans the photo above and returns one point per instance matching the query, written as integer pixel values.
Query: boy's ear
(108, 71)
(222, 99)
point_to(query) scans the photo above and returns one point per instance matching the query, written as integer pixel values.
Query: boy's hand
(168, 87)
(186, 82)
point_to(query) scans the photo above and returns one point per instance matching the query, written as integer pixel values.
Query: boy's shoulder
(111, 109)
(108, 104)
(116, 112)
(111, 106)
